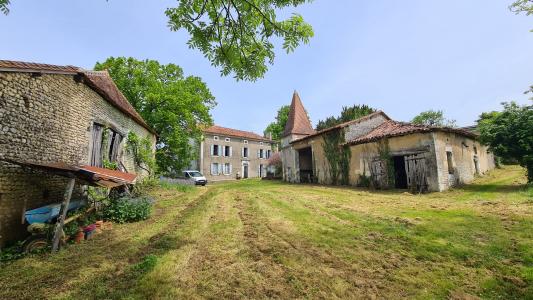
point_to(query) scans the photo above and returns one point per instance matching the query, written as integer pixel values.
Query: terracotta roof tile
(99, 81)
(298, 122)
(392, 128)
(28, 67)
(224, 131)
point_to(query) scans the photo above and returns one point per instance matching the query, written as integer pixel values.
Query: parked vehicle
(198, 178)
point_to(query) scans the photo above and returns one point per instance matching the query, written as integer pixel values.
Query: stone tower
(298, 126)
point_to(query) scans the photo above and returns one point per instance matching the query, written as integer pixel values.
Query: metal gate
(416, 169)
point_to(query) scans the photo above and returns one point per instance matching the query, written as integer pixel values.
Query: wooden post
(62, 214)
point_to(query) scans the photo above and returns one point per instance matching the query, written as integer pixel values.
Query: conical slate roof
(298, 122)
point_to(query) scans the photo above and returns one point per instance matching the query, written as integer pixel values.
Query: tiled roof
(235, 133)
(345, 124)
(392, 128)
(29, 67)
(99, 81)
(103, 84)
(298, 122)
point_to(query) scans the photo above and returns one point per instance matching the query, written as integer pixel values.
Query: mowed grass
(260, 239)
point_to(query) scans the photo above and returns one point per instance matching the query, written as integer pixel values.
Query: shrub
(364, 181)
(126, 209)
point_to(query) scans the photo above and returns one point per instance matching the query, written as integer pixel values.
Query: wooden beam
(58, 232)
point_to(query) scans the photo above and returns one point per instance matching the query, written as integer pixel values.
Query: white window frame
(215, 138)
(245, 141)
(213, 150)
(247, 152)
(261, 143)
(227, 169)
(227, 140)
(213, 169)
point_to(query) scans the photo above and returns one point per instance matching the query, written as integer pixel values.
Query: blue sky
(463, 57)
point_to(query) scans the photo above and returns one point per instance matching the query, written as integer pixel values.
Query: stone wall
(47, 119)
(236, 159)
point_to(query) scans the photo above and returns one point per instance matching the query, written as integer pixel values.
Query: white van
(198, 178)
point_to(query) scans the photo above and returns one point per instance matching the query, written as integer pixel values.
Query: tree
(237, 35)
(509, 134)
(348, 113)
(522, 6)
(276, 128)
(177, 107)
(433, 118)
(4, 6)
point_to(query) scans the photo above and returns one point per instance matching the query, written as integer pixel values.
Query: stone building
(226, 152)
(388, 153)
(51, 114)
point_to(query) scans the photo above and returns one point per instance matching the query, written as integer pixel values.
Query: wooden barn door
(378, 169)
(416, 169)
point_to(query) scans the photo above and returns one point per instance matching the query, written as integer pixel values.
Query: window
(227, 151)
(269, 153)
(450, 162)
(261, 153)
(227, 140)
(261, 171)
(214, 169)
(215, 150)
(475, 150)
(245, 141)
(245, 152)
(105, 145)
(215, 138)
(227, 169)
(261, 143)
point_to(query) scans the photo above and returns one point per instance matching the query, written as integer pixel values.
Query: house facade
(58, 114)
(226, 153)
(388, 153)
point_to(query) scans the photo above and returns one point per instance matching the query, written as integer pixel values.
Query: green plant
(141, 149)
(177, 187)
(146, 265)
(110, 165)
(12, 252)
(143, 187)
(127, 209)
(364, 181)
(337, 156)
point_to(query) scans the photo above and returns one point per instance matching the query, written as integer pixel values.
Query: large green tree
(522, 6)
(348, 113)
(433, 118)
(276, 128)
(236, 36)
(509, 134)
(175, 105)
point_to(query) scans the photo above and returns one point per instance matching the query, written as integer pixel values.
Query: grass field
(261, 239)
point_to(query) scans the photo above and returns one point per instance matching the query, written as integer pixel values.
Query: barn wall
(363, 153)
(47, 119)
(463, 151)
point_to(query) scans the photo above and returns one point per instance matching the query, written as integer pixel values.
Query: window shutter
(230, 151)
(258, 153)
(230, 169)
(220, 168)
(212, 166)
(242, 152)
(212, 149)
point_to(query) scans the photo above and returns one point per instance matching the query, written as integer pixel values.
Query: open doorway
(400, 174)
(305, 158)
(245, 170)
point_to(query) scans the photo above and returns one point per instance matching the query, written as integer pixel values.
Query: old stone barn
(51, 114)
(375, 150)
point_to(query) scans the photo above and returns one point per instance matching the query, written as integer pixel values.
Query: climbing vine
(337, 156)
(387, 175)
(141, 150)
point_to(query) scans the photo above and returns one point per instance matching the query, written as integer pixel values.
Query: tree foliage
(236, 35)
(276, 128)
(522, 6)
(433, 118)
(348, 113)
(4, 6)
(174, 105)
(509, 134)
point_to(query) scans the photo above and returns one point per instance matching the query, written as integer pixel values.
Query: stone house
(51, 114)
(226, 152)
(387, 152)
